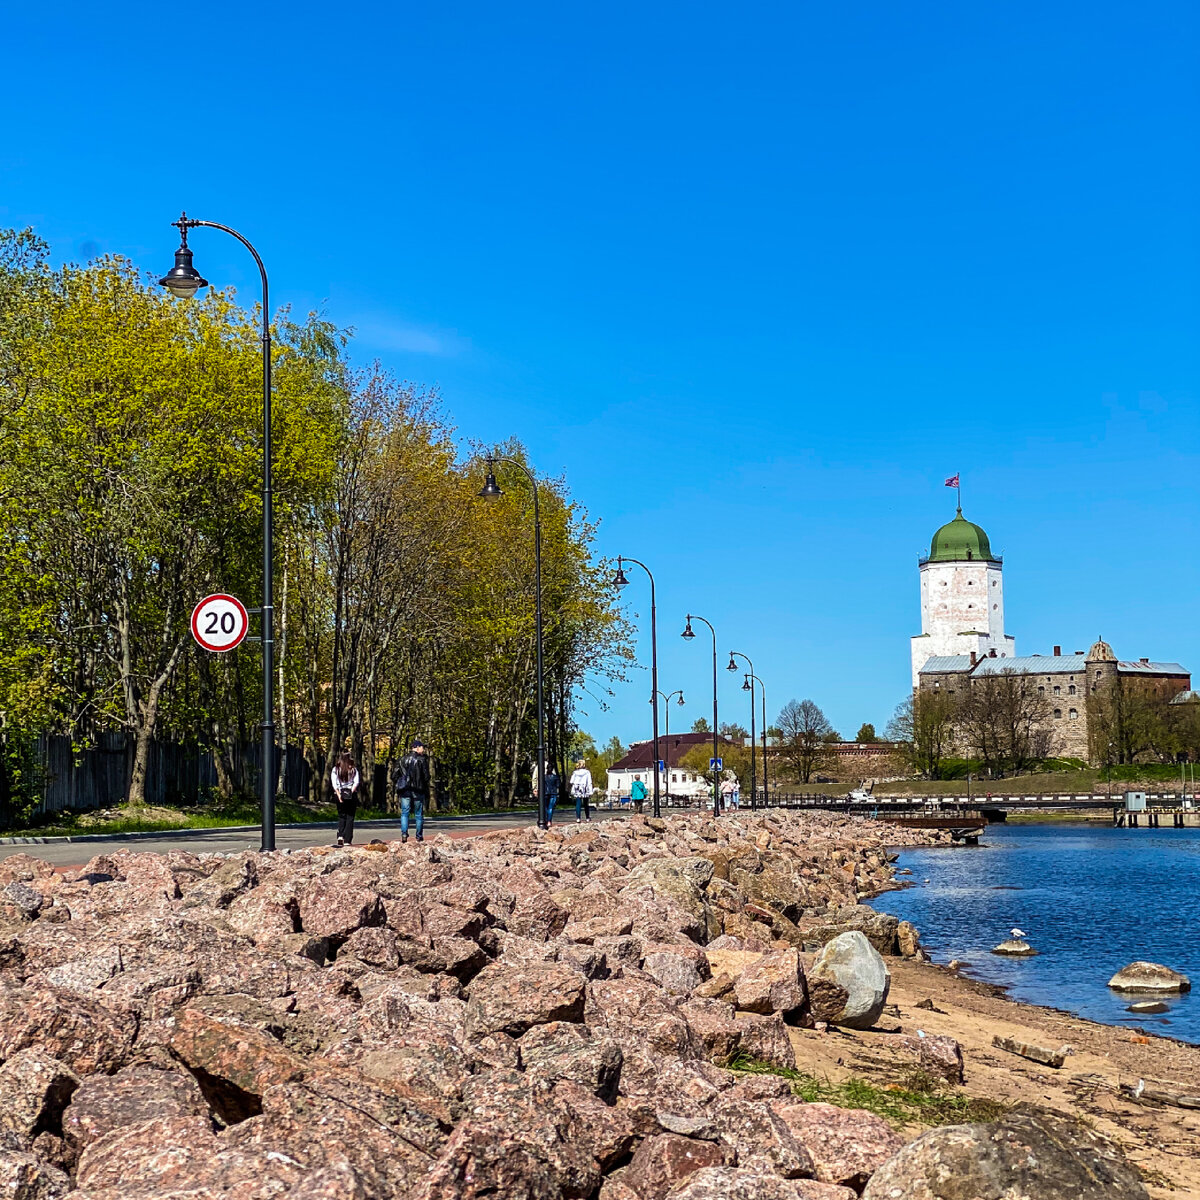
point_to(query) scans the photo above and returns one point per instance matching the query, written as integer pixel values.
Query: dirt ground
(1163, 1140)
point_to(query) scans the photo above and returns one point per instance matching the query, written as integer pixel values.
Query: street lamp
(734, 654)
(762, 691)
(184, 281)
(620, 581)
(667, 731)
(491, 491)
(688, 634)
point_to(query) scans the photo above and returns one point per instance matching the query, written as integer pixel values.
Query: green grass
(917, 1099)
(1152, 776)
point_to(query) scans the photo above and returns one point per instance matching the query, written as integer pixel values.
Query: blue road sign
(716, 763)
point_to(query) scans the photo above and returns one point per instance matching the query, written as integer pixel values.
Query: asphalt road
(63, 852)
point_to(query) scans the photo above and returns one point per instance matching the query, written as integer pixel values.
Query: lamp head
(746, 685)
(732, 665)
(491, 489)
(183, 280)
(680, 699)
(687, 633)
(619, 579)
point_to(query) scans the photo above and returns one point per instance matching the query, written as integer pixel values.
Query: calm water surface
(1090, 899)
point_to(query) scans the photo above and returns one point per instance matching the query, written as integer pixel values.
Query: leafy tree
(923, 726)
(1004, 720)
(701, 725)
(866, 733)
(733, 731)
(804, 730)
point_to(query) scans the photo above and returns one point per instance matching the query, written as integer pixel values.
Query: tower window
(1058, 714)
(1073, 714)
(1071, 690)
(1057, 690)
(1041, 690)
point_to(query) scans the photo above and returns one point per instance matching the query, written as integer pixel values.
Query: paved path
(74, 853)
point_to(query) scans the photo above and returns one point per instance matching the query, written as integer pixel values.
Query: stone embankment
(521, 1016)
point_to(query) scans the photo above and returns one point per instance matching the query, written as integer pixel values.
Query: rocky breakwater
(523, 1015)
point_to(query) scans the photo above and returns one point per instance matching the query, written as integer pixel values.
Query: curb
(209, 830)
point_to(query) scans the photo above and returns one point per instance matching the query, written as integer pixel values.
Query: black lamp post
(491, 491)
(620, 581)
(667, 730)
(687, 633)
(762, 691)
(753, 777)
(184, 281)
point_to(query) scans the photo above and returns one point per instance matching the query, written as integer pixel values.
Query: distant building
(962, 640)
(675, 780)
(962, 598)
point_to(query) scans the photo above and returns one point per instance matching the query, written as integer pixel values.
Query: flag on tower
(952, 481)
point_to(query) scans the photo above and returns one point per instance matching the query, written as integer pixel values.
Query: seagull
(1017, 932)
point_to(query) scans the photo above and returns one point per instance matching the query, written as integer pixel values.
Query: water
(1090, 899)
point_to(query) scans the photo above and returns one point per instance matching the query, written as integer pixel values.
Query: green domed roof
(960, 541)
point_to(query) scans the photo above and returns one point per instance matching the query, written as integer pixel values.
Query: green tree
(804, 744)
(866, 733)
(923, 725)
(701, 725)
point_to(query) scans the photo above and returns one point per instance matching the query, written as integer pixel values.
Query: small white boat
(860, 796)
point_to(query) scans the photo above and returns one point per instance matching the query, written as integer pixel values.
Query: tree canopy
(131, 487)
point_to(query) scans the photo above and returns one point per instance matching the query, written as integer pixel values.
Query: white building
(674, 781)
(962, 598)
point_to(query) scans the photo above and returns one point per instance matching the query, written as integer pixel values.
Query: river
(1089, 898)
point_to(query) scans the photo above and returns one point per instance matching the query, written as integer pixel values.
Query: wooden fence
(177, 774)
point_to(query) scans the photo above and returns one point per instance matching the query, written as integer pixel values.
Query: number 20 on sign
(220, 622)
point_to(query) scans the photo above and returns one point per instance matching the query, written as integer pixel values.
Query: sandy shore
(1164, 1141)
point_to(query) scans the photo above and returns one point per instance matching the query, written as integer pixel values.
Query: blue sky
(756, 278)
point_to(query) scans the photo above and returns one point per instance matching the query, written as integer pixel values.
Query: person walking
(581, 790)
(637, 793)
(345, 780)
(551, 793)
(412, 784)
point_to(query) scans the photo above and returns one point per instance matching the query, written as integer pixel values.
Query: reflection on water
(1090, 899)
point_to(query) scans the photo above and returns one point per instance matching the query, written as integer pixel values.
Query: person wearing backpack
(345, 793)
(551, 792)
(637, 793)
(412, 785)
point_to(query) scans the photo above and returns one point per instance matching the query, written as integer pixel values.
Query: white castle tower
(962, 598)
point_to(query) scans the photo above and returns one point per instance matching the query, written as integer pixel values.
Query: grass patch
(918, 1098)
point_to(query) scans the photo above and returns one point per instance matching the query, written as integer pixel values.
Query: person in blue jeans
(412, 784)
(551, 792)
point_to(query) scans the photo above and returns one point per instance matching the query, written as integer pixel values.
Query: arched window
(1071, 690)
(1073, 713)
(1057, 690)
(1058, 714)
(1041, 690)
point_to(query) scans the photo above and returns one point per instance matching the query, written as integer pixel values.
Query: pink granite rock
(846, 1145)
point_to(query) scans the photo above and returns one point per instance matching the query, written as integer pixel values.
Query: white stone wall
(686, 783)
(962, 610)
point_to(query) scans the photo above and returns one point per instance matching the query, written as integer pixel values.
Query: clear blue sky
(755, 277)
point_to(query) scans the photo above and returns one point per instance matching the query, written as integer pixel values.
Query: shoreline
(1164, 1141)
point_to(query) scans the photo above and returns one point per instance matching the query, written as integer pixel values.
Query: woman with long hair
(345, 793)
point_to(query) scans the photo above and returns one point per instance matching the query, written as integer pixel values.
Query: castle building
(962, 640)
(962, 598)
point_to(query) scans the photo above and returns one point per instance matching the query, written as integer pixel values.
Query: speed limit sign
(219, 622)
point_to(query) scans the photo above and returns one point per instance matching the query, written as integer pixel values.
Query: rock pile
(523, 1015)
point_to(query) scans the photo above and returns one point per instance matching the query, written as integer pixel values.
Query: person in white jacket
(581, 790)
(345, 792)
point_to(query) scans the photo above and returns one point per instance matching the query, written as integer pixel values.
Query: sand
(1164, 1141)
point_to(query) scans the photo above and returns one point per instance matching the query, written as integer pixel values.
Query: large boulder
(104, 1103)
(773, 983)
(738, 1183)
(1149, 977)
(880, 929)
(661, 1162)
(507, 999)
(848, 983)
(34, 1090)
(25, 1177)
(847, 1145)
(1034, 1155)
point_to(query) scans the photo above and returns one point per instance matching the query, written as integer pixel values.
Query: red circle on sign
(207, 622)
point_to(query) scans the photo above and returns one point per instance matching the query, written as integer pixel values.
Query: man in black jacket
(412, 783)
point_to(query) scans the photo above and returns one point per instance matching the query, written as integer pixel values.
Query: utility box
(1135, 801)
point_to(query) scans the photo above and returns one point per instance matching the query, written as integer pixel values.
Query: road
(74, 853)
